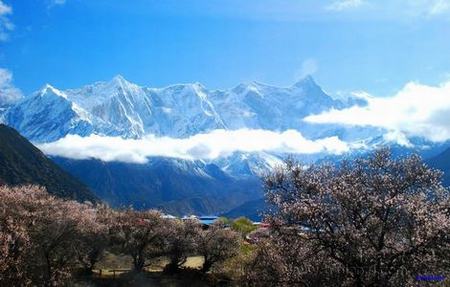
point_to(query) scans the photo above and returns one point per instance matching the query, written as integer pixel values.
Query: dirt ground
(115, 271)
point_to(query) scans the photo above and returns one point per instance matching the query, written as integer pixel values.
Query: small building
(261, 224)
(168, 216)
(208, 220)
(205, 221)
(189, 217)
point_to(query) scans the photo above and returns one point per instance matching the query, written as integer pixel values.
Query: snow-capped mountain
(257, 105)
(119, 107)
(48, 115)
(134, 111)
(247, 164)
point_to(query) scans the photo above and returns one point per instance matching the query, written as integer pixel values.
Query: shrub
(243, 225)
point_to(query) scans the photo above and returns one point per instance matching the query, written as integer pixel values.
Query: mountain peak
(119, 80)
(49, 89)
(246, 87)
(198, 85)
(307, 81)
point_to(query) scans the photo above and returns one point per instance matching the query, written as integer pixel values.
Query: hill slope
(175, 186)
(442, 162)
(23, 163)
(254, 210)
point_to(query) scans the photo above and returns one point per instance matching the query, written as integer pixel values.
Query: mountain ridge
(119, 108)
(177, 187)
(22, 163)
(122, 108)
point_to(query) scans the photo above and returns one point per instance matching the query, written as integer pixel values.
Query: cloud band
(208, 146)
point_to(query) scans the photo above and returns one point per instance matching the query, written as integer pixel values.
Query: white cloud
(416, 110)
(309, 67)
(8, 93)
(397, 137)
(439, 7)
(341, 5)
(424, 8)
(6, 26)
(5, 9)
(216, 144)
(393, 9)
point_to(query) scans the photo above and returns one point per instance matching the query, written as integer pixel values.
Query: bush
(243, 225)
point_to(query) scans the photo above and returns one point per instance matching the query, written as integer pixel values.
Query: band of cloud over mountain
(212, 145)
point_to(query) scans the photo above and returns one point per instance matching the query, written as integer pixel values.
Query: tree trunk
(206, 266)
(138, 263)
(171, 268)
(48, 275)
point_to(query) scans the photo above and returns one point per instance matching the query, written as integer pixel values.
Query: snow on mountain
(2, 114)
(121, 108)
(48, 115)
(179, 110)
(257, 105)
(121, 104)
(184, 110)
(249, 164)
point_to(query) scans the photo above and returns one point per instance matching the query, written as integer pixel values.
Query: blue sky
(347, 45)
